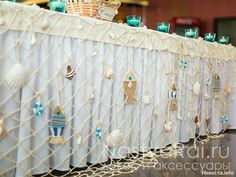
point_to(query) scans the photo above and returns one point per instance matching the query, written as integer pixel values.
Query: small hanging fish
(57, 125)
(216, 85)
(130, 84)
(173, 98)
(2, 129)
(70, 73)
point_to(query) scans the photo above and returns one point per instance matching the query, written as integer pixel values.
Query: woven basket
(88, 9)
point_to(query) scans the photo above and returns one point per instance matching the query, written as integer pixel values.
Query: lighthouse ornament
(173, 98)
(130, 84)
(216, 85)
(57, 125)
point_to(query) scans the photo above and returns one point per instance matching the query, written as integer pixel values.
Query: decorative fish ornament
(130, 84)
(57, 125)
(173, 98)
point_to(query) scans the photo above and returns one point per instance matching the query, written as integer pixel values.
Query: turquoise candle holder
(9, 0)
(190, 33)
(163, 27)
(133, 20)
(223, 40)
(57, 5)
(210, 37)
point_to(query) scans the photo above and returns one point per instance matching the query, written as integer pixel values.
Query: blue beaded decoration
(98, 133)
(38, 108)
(224, 119)
(183, 64)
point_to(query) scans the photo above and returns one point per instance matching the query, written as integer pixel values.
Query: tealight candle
(190, 33)
(223, 39)
(133, 20)
(57, 5)
(163, 27)
(210, 37)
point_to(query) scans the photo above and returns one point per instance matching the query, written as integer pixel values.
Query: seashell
(188, 114)
(206, 96)
(45, 24)
(2, 129)
(155, 111)
(17, 77)
(115, 138)
(146, 100)
(149, 154)
(70, 73)
(130, 84)
(94, 52)
(196, 88)
(78, 139)
(179, 117)
(228, 89)
(33, 39)
(196, 119)
(109, 73)
(91, 96)
(167, 126)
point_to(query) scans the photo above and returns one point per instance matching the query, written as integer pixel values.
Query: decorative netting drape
(75, 90)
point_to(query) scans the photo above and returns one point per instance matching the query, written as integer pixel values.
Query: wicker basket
(88, 9)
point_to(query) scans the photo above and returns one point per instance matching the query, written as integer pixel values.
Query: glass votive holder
(223, 39)
(133, 20)
(210, 37)
(57, 5)
(190, 33)
(9, 0)
(163, 27)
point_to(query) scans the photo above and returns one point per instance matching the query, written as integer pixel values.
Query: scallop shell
(146, 100)
(115, 138)
(17, 77)
(196, 88)
(167, 126)
(109, 73)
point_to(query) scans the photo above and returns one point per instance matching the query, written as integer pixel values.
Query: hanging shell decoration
(228, 89)
(109, 73)
(196, 88)
(183, 64)
(57, 125)
(70, 73)
(216, 85)
(115, 138)
(2, 129)
(168, 126)
(78, 138)
(196, 121)
(130, 84)
(17, 77)
(146, 99)
(173, 98)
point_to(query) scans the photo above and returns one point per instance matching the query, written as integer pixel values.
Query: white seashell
(45, 24)
(17, 77)
(115, 138)
(149, 154)
(94, 52)
(196, 88)
(206, 96)
(146, 100)
(78, 139)
(116, 12)
(91, 96)
(109, 73)
(130, 84)
(188, 114)
(155, 111)
(33, 39)
(167, 126)
(179, 117)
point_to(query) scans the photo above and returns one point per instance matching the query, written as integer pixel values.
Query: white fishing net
(173, 87)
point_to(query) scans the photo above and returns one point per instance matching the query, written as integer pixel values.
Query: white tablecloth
(92, 47)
